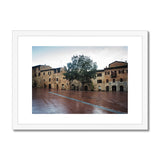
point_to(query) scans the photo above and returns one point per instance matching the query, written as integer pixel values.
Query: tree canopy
(82, 68)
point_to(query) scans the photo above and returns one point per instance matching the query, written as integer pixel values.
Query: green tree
(82, 68)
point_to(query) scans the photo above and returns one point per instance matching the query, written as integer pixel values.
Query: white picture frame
(138, 104)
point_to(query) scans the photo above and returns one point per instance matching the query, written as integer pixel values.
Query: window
(107, 80)
(56, 79)
(121, 71)
(43, 73)
(64, 77)
(49, 79)
(113, 80)
(107, 73)
(39, 74)
(127, 71)
(99, 74)
(58, 70)
(99, 81)
(113, 74)
(35, 74)
(44, 80)
(121, 80)
(49, 73)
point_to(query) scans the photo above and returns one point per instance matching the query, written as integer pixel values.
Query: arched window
(121, 80)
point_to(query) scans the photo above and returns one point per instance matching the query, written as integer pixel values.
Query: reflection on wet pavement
(45, 101)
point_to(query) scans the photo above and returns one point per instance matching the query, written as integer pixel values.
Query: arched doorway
(113, 88)
(121, 88)
(86, 88)
(73, 87)
(77, 88)
(107, 88)
(63, 87)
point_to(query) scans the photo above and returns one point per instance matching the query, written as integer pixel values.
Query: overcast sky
(59, 56)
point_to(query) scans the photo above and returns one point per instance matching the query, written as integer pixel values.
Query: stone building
(46, 77)
(112, 78)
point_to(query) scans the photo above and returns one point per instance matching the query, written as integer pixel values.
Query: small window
(107, 80)
(127, 71)
(119, 71)
(39, 74)
(43, 73)
(56, 79)
(35, 74)
(59, 70)
(99, 75)
(99, 81)
(113, 80)
(121, 80)
(107, 73)
(49, 79)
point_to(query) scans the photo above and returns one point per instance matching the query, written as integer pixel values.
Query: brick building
(112, 78)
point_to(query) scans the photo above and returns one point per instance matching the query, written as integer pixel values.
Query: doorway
(113, 88)
(49, 86)
(121, 88)
(107, 88)
(86, 88)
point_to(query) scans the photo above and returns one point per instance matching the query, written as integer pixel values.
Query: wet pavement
(49, 101)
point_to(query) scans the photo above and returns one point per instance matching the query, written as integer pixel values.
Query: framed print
(80, 80)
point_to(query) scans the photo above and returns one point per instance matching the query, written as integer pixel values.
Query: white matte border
(142, 125)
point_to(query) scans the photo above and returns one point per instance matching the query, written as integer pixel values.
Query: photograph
(75, 80)
(79, 79)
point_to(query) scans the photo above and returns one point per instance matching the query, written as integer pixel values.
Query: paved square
(49, 101)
